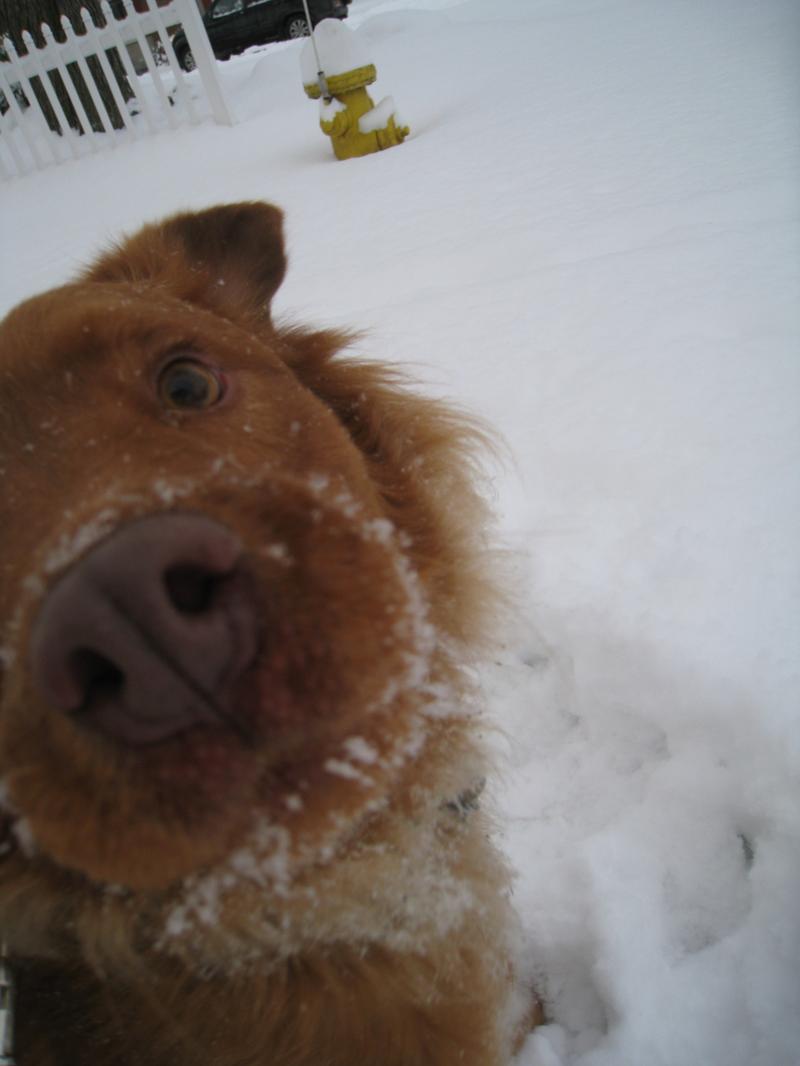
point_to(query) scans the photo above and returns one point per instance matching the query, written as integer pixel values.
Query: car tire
(296, 27)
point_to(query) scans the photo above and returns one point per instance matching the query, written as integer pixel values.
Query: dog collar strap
(6, 1010)
(464, 803)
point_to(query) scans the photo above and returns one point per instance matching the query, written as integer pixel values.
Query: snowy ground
(591, 239)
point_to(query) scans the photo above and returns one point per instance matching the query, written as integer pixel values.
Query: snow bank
(378, 117)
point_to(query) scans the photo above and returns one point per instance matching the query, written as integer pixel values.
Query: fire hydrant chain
(321, 82)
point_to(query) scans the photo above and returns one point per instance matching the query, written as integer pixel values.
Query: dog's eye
(188, 384)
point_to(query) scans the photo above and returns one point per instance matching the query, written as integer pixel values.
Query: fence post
(16, 112)
(181, 92)
(135, 26)
(64, 59)
(10, 140)
(90, 30)
(197, 39)
(67, 132)
(122, 51)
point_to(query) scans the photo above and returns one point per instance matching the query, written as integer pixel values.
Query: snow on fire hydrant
(336, 72)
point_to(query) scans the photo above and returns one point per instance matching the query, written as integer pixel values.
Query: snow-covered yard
(591, 239)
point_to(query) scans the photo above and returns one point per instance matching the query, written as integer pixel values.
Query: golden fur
(325, 896)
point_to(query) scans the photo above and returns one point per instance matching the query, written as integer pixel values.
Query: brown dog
(241, 585)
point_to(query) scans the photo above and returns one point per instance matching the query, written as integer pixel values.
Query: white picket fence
(163, 98)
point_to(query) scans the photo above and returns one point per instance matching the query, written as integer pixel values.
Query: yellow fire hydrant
(335, 72)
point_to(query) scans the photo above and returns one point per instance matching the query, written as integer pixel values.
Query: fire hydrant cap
(344, 83)
(342, 57)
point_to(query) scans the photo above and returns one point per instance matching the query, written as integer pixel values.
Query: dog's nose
(149, 634)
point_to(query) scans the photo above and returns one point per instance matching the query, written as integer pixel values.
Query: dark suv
(233, 25)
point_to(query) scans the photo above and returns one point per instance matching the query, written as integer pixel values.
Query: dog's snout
(150, 633)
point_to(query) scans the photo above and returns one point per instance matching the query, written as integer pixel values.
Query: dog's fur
(324, 893)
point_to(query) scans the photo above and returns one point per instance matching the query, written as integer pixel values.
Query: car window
(226, 7)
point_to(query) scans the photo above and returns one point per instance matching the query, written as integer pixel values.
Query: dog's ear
(229, 258)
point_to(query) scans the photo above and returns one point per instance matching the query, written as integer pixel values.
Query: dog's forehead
(79, 322)
(78, 326)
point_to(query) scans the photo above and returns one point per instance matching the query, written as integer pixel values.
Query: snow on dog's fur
(242, 585)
